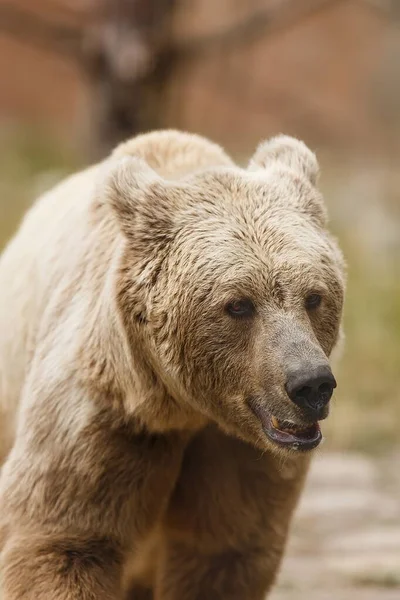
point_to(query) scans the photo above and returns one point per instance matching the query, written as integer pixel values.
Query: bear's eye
(240, 308)
(313, 301)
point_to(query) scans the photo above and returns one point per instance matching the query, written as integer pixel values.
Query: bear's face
(235, 290)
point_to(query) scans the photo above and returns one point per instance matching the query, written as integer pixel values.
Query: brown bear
(166, 320)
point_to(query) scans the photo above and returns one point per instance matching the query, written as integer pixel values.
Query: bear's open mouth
(288, 434)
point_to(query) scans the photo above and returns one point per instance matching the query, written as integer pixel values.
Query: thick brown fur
(133, 464)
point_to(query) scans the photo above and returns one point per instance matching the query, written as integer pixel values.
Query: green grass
(366, 413)
(387, 579)
(30, 162)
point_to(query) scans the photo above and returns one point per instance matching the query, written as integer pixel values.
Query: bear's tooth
(275, 422)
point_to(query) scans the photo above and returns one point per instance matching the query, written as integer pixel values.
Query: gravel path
(345, 541)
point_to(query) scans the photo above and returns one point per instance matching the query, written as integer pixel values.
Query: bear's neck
(121, 374)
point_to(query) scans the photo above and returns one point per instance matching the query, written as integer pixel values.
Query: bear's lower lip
(286, 434)
(289, 435)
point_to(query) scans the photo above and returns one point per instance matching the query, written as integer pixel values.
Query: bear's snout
(311, 390)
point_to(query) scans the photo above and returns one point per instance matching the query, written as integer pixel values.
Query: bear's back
(47, 248)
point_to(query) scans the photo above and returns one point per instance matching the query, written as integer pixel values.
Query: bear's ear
(287, 151)
(143, 202)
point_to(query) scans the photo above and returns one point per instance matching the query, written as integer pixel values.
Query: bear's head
(233, 288)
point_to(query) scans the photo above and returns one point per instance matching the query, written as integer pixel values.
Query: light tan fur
(133, 464)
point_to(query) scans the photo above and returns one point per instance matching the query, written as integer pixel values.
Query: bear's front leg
(228, 520)
(78, 492)
(36, 566)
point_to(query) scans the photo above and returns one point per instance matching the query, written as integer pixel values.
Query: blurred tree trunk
(129, 64)
(385, 96)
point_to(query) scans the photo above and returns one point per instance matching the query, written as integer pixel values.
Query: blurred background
(78, 76)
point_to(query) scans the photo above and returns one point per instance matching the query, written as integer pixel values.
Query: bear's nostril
(303, 392)
(325, 392)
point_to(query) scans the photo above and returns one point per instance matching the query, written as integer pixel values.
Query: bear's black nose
(311, 390)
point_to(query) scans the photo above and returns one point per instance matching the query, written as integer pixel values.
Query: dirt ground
(345, 540)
